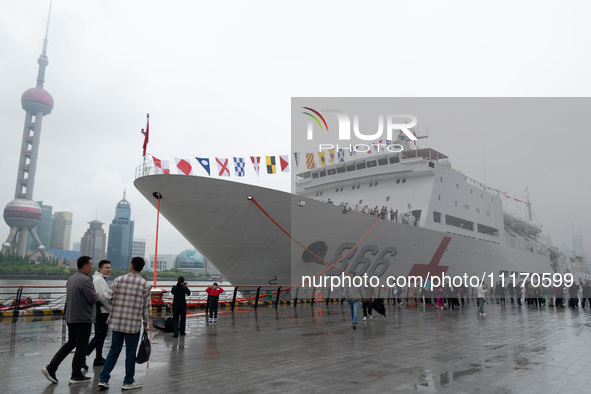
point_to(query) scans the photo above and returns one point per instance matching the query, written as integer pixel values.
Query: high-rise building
(165, 262)
(61, 230)
(22, 214)
(120, 245)
(94, 241)
(139, 247)
(43, 229)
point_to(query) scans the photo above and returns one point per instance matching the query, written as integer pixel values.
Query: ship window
(404, 180)
(437, 217)
(376, 184)
(360, 201)
(487, 230)
(341, 170)
(458, 222)
(439, 197)
(441, 179)
(370, 184)
(388, 198)
(351, 167)
(358, 186)
(466, 206)
(431, 164)
(314, 175)
(353, 188)
(320, 193)
(322, 173)
(360, 165)
(457, 186)
(480, 195)
(456, 203)
(470, 191)
(317, 194)
(341, 189)
(383, 162)
(397, 180)
(477, 210)
(371, 164)
(336, 191)
(332, 171)
(394, 160)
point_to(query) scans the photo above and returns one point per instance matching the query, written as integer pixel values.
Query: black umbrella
(163, 324)
(378, 306)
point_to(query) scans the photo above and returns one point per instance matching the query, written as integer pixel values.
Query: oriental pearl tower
(22, 214)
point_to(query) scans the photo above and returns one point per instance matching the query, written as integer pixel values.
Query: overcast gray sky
(217, 78)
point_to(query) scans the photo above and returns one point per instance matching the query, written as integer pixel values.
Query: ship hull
(248, 240)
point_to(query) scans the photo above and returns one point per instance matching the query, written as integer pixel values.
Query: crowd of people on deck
(383, 213)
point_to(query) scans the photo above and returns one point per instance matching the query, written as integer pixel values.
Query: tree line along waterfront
(13, 266)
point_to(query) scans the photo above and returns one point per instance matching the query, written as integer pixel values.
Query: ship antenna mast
(528, 204)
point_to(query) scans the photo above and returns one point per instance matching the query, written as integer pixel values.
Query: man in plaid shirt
(129, 297)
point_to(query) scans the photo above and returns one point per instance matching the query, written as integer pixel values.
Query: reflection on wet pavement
(314, 349)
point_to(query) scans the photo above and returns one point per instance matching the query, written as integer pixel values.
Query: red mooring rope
(314, 254)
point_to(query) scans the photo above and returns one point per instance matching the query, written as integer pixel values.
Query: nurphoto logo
(386, 123)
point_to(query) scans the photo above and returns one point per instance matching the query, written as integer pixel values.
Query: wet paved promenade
(314, 349)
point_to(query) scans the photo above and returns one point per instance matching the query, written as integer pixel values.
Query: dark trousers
(100, 333)
(366, 308)
(583, 302)
(213, 306)
(78, 334)
(179, 312)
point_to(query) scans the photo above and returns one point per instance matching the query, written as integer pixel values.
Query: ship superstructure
(385, 214)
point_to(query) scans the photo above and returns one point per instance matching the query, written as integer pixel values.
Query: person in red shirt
(213, 297)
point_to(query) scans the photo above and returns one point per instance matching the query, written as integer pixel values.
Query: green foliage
(16, 265)
(13, 265)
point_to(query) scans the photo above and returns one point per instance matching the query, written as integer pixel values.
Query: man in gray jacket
(80, 313)
(352, 286)
(101, 284)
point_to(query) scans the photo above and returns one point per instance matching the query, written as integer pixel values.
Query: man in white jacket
(482, 289)
(101, 284)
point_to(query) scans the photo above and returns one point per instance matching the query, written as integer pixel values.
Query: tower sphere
(22, 213)
(43, 60)
(37, 100)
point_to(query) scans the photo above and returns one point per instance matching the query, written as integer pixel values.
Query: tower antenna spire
(22, 214)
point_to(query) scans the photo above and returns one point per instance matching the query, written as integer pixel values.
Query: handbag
(143, 354)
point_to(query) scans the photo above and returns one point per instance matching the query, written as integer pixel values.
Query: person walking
(353, 296)
(179, 306)
(129, 297)
(101, 284)
(213, 297)
(586, 294)
(81, 298)
(369, 295)
(482, 289)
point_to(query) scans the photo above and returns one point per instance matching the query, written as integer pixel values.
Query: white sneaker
(364, 318)
(370, 317)
(210, 319)
(134, 385)
(215, 319)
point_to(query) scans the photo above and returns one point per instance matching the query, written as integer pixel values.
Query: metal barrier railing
(14, 298)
